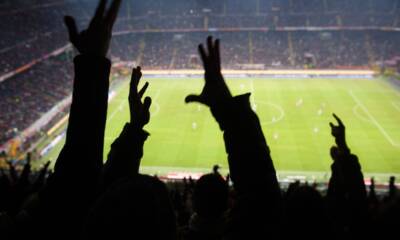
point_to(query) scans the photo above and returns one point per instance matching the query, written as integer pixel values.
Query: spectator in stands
(347, 197)
(210, 201)
(69, 193)
(131, 202)
(258, 208)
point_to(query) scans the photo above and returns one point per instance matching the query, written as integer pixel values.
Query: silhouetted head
(210, 196)
(392, 180)
(305, 212)
(137, 208)
(335, 153)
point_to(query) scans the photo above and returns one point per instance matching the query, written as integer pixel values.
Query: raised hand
(96, 39)
(140, 111)
(338, 131)
(13, 171)
(215, 89)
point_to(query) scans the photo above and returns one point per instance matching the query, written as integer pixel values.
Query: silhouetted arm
(346, 192)
(82, 155)
(71, 189)
(81, 158)
(251, 167)
(127, 150)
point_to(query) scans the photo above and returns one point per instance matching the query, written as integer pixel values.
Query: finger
(194, 98)
(143, 90)
(100, 11)
(99, 14)
(147, 103)
(338, 120)
(331, 124)
(210, 46)
(113, 13)
(203, 55)
(133, 84)
(217, 54)
(136, 75)
(72, 29)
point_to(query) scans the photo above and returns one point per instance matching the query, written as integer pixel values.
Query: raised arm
(72, 187)
(346, 192)
(82, 155)
(250, 164)
(127, 150)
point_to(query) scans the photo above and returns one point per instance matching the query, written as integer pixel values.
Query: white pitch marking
(358, 115)
(373, 120)
(396, 105)
(252, 99)
(156, 105)
(119, 108)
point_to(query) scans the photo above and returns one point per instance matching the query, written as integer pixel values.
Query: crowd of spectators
(31, 30)
(20, 183)
(27, 96)
(84, 198)
(276, 49)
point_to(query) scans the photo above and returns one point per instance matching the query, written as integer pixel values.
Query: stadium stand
(167, 32)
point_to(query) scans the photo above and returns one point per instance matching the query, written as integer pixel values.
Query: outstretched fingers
(338, 120)
(112, 13)
(135, 78)
(210, 47)
(203, 55)
(99, 12)
(217, 54)
(143, 90)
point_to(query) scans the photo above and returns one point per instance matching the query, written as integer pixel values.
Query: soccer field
(295, 116)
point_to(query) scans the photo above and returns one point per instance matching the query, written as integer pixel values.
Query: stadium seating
(28, 35)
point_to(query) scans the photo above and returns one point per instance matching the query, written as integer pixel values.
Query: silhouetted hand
(96, 39)
(41, 179)
(338, 131)
(215, 89)
(13, 171)
(140, 113)
(23, 180)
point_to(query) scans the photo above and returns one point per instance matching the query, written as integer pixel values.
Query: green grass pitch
(294, 114)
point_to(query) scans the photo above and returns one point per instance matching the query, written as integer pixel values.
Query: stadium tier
(29, 31)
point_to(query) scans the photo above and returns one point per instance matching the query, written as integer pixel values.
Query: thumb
(147, 103)
(194, 98)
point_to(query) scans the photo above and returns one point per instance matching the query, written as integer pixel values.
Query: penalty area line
(373, 120)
